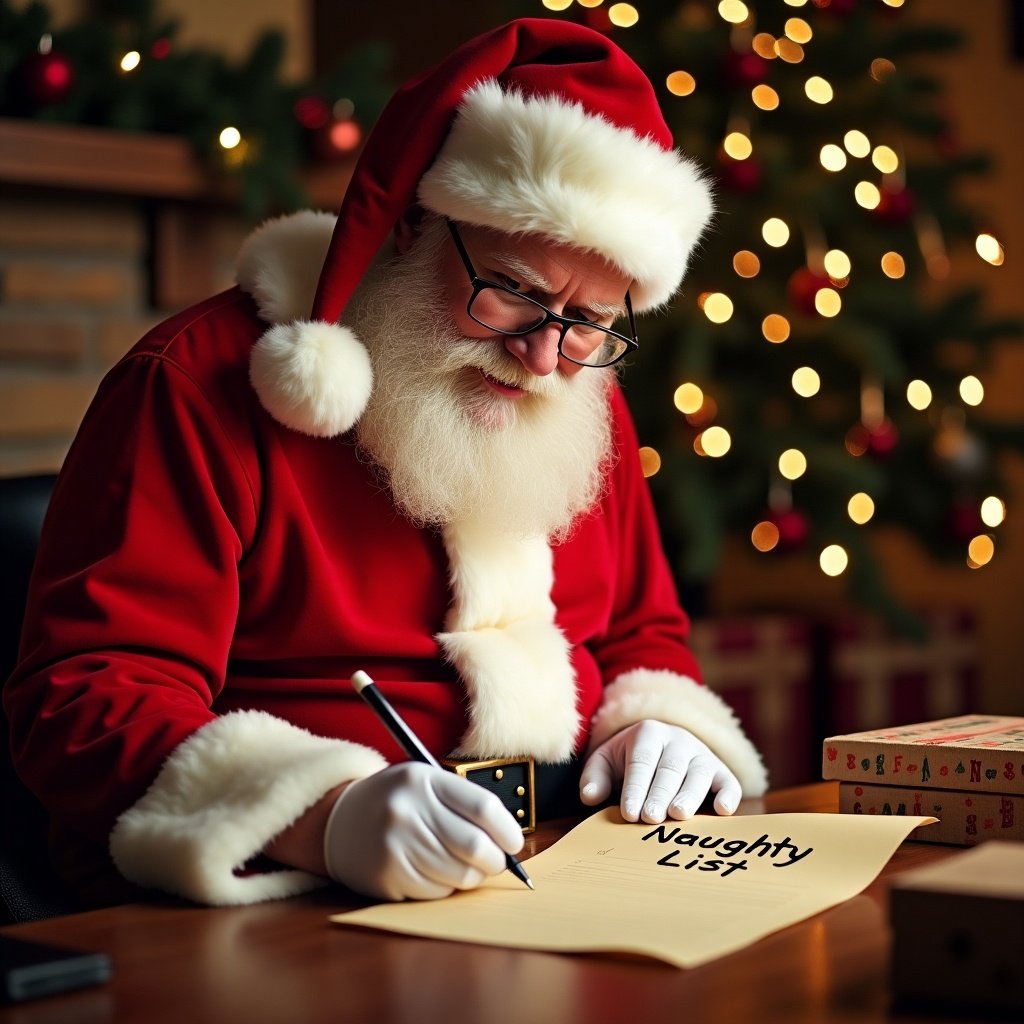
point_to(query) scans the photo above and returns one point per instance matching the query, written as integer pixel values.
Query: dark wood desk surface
(284, 962)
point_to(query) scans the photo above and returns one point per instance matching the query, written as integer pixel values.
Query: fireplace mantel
(77, 157)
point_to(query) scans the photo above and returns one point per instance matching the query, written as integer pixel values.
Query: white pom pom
(312, 376)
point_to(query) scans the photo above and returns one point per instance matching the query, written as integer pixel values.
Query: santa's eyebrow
(601, 309)
(532, 279)
(527, 274)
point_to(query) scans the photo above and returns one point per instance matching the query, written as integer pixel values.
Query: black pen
(412, 745)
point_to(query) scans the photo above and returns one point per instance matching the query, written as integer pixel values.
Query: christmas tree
(821, 372)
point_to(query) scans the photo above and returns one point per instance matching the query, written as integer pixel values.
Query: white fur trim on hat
(545, 165)
(312, 376)
(279, 263)
(678, 700)
(502, 638)
(220, 797)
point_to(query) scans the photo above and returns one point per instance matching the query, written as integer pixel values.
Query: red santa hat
(540, 126)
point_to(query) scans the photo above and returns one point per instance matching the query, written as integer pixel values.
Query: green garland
(74, 75)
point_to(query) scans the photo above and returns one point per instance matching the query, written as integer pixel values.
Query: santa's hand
(413, 831)
(664, 770)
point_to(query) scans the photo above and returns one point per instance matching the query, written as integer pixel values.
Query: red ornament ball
(312, 112)
(598, 19)
(745, 70)
(803, 286)
(793, 528)
(895, 207)
(336, 140)
(45, 78)
(881, 440)
(741, 176)
(963, 521)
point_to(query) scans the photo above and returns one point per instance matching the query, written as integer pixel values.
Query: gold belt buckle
(511, 779)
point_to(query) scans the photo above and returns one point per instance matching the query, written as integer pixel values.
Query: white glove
(663, 769)
(413, 831)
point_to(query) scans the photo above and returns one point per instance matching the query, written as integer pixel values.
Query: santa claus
(398, 445)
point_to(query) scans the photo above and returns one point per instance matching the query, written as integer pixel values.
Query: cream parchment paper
(682, 892)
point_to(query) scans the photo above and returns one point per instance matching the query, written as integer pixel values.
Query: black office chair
(29, 889)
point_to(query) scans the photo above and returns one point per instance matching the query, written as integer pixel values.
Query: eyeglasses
(506, 311)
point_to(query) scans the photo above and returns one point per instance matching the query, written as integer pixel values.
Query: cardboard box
(965, 819)
(973, 753)
(958, 931)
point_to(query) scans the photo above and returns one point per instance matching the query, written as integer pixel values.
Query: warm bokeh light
(867, 195)
(681, 83)
(833, 560)
(229, 137)
(790, 52)
(718, 307)
(764, 536)
(893, 265)
(557, 5)
(837, 263)
(650, 461)
(792, 463)
(733, 11)
(798, 30)
(989, 249)
(737, 145)
(775, 328)
(882, 68)
(688, 398)
(764, 97)
(775, 232)
(856, 143)
(131, 60)
(993, 511)
(860, 508)
(919, 395)
(856, 440)
(806, 382)
(818, 89)
(623, 15)
(832, 157)
(715, 441)
(705, 415)
(590, 3)
(763, 44)
(885, 159)
(746, 263)
(980, 550)
(827, 302)
(971, 390)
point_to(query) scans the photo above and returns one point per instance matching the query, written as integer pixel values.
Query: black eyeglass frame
(564, 322)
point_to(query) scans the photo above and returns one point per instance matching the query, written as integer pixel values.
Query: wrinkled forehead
(545, 263)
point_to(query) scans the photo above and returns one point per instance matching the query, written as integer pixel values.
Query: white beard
(451, 448)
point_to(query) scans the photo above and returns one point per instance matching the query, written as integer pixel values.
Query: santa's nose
(537, 351)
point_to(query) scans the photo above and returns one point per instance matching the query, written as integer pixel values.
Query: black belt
(532, 790)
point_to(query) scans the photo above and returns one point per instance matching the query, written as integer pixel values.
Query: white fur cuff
(678, 700)
(220, 797)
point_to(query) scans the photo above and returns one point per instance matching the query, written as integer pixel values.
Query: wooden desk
(284, 962)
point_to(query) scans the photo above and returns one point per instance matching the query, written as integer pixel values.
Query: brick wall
(78, 277)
